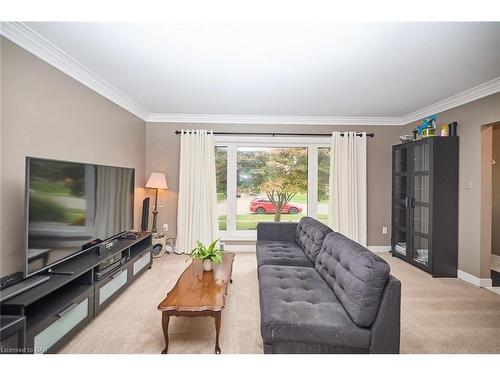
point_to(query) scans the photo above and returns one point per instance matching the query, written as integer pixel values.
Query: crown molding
(30, 40)
(467, 96)
(27, 38)
(273, 120)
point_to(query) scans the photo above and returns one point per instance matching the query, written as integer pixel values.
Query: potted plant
(207, 255)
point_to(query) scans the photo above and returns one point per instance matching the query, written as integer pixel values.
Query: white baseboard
(379, 249)
(474, 280)
(237, 246)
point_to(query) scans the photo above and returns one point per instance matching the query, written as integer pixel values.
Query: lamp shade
(157, 181)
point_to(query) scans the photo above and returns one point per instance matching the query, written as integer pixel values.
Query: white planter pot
(208, 265)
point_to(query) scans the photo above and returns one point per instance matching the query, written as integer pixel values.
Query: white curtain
(347, 207)
(113, 211)
(196, 213)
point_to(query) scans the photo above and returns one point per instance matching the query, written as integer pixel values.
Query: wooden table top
(198, 290)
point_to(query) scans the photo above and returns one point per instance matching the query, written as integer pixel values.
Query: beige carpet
(438, 315)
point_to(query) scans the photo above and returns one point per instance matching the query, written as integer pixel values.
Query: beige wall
(495, 233)
(46, 113)
(473, 250)
(163, 148)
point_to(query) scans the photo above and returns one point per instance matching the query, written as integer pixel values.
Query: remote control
(10, 279)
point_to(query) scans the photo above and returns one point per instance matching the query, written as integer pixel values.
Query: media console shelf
(56, 309)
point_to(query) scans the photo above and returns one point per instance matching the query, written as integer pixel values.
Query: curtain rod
(284, 134)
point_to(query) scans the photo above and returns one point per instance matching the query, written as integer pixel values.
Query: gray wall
(163, 148)
(46, 113)
(474, 242)
(495, 225)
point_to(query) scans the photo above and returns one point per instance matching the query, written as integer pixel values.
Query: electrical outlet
(165, 227)
(384, 230)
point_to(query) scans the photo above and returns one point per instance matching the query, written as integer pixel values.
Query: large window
(323, 183)
(221, 176)
(271, 185)
(270, 179)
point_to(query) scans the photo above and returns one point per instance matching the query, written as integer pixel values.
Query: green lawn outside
(75, 217)
(301, 198)
(221, 197)
(222, 222)
(51, 188)
(249, 221)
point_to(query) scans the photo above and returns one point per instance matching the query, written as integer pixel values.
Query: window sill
(244, 236)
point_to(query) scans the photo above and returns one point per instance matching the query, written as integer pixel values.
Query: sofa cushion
(356, 275)
(298, 306)
(276, 231)
(281, 253)
(310, 235)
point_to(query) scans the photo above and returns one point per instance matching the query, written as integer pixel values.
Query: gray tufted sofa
(334, 297)
(290, 244)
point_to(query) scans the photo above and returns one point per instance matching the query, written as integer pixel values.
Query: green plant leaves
(202, 252)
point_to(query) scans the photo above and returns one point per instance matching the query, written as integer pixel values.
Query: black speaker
(145, 214)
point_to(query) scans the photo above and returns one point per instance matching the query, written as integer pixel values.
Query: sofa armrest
(276, 232)
(385, 330)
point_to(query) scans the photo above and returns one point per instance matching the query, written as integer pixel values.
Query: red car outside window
(263, 206)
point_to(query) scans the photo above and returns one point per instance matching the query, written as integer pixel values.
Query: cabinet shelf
(54, 304)
(140, 248)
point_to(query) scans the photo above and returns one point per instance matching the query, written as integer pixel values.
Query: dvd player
(108, 266)
(101, 274)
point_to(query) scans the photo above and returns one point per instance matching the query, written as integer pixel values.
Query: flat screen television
(70, 204)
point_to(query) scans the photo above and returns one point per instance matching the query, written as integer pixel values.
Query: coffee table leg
(165, 318)
(217, 317)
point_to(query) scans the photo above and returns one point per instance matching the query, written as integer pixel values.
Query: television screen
(70, 204)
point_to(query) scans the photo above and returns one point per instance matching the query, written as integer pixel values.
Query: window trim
(233, 142)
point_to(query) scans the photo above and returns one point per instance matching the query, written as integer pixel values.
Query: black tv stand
(22, 286)
(50, 271)
(74, 294)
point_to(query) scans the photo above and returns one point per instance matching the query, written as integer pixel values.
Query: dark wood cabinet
(425, 204)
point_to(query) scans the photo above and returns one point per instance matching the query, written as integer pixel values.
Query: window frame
(233, 142)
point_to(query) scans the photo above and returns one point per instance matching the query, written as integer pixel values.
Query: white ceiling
(279, 69)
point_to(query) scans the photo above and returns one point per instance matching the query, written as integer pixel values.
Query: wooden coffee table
(198, 293)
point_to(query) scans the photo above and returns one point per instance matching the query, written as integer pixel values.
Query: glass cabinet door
(420, 203)
(400, 244)
(421, 157)
(401, 160)
(400, 200)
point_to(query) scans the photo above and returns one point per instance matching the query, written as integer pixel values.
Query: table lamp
(156, 181)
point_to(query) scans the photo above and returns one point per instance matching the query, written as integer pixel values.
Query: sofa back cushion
(310, 236)
(356, 275)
